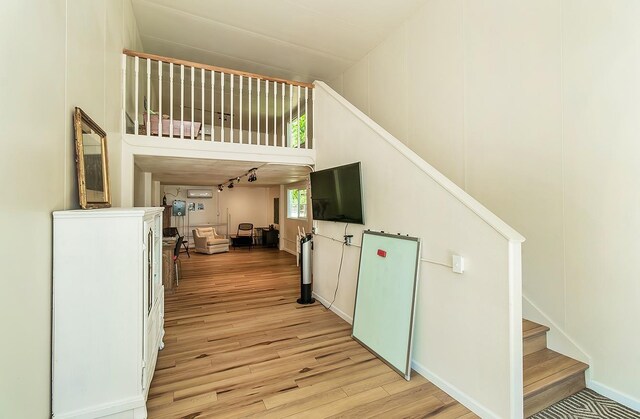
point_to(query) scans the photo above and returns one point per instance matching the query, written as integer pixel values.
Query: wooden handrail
(155, 57)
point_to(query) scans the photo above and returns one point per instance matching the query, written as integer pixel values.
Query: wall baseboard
(420, 369)
(134, 407)
(615, 395)
(453, 391)
(344, 316)
(293, 252)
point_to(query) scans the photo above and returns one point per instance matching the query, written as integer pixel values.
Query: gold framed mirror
(92, 164)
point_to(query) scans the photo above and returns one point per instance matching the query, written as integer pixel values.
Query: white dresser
(108, 311)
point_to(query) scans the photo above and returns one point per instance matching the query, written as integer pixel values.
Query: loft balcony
(175, 107)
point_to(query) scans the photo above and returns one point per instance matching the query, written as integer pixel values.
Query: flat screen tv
(336, 194)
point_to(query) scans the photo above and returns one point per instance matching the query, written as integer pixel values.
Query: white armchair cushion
(208, 241)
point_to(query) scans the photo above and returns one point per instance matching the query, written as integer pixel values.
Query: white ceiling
(301, 40)
(203, 172)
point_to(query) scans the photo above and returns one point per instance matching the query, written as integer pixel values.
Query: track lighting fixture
(251, 177)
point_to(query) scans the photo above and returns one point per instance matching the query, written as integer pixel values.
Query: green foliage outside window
(297, 207)
(297, 130)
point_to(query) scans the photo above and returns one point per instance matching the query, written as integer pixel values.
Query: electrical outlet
(458, 264)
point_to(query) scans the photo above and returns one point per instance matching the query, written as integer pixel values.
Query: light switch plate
(458, 264)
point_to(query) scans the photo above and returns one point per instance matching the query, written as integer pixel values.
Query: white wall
(33, 159)
(143, 186)
(273, 192)
(600, 91)
(245, 205)
(97, 31)
(156, 196)
(207, 216)
(44, 82)
(531, 108)
(468, 335)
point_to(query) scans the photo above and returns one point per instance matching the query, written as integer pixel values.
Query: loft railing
(169, 98)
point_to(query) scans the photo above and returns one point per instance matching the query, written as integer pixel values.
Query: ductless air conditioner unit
(199, 193)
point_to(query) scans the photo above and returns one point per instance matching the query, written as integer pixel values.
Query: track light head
(220, 188)
(230, 185)
(251, 176)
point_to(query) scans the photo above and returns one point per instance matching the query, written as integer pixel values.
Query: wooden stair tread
(531, 329)
(545, 368)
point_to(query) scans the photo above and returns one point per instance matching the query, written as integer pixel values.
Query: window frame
(306, 211)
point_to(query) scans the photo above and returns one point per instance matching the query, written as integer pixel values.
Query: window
(297, 130)
(297, 203)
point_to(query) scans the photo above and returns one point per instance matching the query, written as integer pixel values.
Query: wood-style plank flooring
(238, 345)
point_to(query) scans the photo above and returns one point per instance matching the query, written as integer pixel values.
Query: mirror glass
(93, 169)
(91, 159)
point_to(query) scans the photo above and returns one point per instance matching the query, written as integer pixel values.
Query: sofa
(208, 241)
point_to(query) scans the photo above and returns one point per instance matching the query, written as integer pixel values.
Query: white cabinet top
(108, 212)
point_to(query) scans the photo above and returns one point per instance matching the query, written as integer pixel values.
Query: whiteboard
(385, 297)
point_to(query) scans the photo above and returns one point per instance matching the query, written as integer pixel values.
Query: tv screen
(336, 194)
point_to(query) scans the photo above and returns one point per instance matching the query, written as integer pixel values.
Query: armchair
(208, 241)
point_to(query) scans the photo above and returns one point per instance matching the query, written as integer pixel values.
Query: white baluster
(193, 99)
(213, 103)
(306, 118)
(124, 94)
(298, 123)
(313, 119)
(148, 123)
(290, 133)
(275, 106)
(241, 114)
(170, 100)
(250, 102)
(283, 88)
(231, 125)
(181, 101)
(203, 77)
(159, 99)
(136, 85)
(222, 107)
(266, 113)
(258, 115)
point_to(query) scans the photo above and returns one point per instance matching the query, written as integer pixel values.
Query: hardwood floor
(238, 345)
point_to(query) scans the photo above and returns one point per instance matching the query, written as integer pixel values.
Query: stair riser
(554, 394)
(534, 344)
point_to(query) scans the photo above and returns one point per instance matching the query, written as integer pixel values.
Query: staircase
(547, 375)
